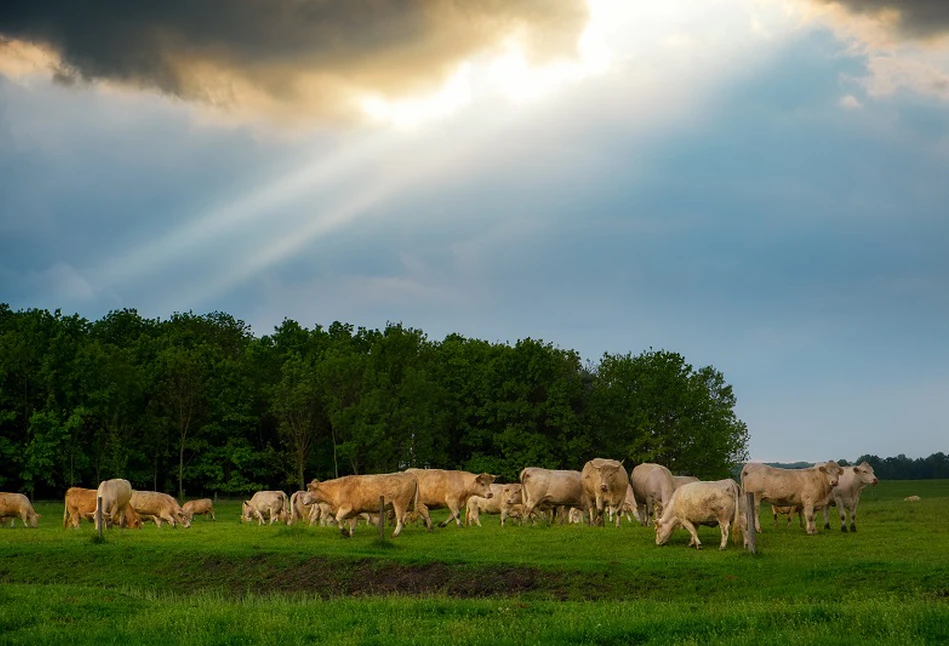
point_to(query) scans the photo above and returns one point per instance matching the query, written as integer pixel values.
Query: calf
(17, 505)
(478, 505)
(701, 503)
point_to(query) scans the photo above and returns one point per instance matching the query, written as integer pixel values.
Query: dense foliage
(198, 404)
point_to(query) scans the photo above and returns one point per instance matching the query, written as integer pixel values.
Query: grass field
(223, 582)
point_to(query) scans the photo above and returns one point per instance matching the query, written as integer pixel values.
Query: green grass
(224, 582)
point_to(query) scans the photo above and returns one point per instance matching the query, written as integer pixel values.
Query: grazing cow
(17, 505)
(159, 507)
(605, 485)
(81, 505)
(701, 503)
(912, 499)
(653, 485)
(788, 510)
(544, 489)
(846, 495)
(439, 488)
(478, 505)
(810, 488)
(300, 511)
(198, 507)
(265, 505)
(678, 481)
(115, 495)
(630, 509)
(350, 496)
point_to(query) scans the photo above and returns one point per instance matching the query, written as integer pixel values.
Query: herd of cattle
(650, 494)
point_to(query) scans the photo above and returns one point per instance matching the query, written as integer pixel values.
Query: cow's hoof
(826, 525)
(853, 527)
(843, 528)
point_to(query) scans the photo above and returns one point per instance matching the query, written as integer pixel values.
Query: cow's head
(483, 483)
(33, 520)
(833, 472)
(865, 475)
(312, 494)
(664, 529)
(184, 518)
(246, 512)
(512, 494)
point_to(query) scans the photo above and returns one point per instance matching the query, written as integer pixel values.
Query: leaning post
(750, 523)
(382, 518)
(99, 515)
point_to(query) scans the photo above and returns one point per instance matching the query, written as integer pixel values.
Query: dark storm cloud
(917, 18)
(308, 53)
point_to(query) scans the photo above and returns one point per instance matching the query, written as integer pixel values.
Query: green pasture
(224, 582)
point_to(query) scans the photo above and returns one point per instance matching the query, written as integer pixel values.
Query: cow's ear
(823, 468)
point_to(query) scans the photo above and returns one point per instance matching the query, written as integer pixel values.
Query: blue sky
(758, 185)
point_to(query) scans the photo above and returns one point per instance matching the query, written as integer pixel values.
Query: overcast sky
(759, 185)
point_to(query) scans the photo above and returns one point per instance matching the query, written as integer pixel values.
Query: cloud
(850, 102)
(289, 57)
(912, 18)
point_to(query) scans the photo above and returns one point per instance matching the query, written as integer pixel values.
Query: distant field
(224, 582)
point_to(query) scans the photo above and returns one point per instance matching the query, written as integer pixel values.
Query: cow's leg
(810, 515)
(725, 525)
(827, 517)
(694, 541)
(453, 515)
(399, 512)
(341, 515)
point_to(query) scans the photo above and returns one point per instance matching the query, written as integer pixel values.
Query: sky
(759, 185)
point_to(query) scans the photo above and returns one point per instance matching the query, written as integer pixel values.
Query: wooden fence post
(750, 523)
(99, 515)
(382, 518)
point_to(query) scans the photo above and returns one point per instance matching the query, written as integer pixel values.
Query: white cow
(810, 488)
(653, 485)
(846, 495)
(701, 503)
(115, 495)
(265, 505)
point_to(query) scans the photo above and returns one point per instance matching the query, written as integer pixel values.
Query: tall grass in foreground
(69, 614)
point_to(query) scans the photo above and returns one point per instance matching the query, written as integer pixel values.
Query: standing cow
(544, 489)
(300, 511)
(604, 489)
(351, 496)
(653, 485)
(701, 503)
(810, 488)
(846, 495)
(114, 495)
(17, 505)
(439, 488)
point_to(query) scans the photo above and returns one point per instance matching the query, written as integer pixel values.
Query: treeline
(198, 405)
(904, 468)
(898, 468)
